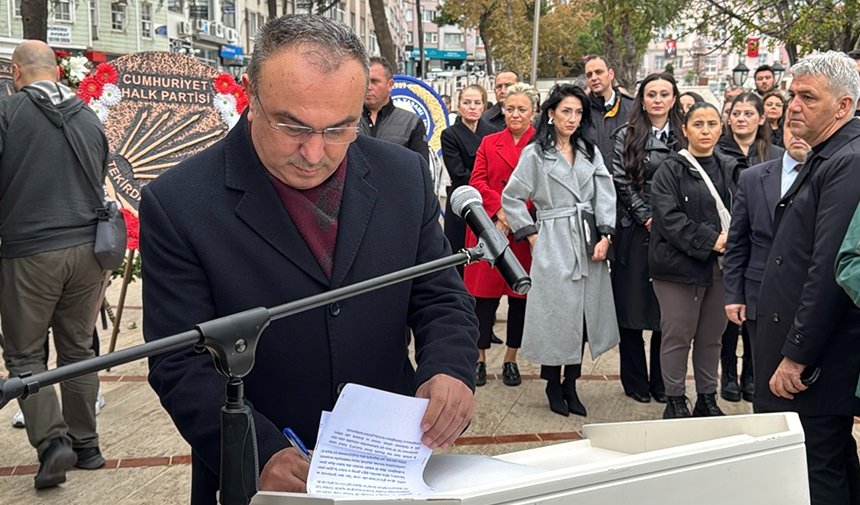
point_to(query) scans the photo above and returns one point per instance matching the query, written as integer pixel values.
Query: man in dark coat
(291, 204)
(751, 234)
(610, 107)
(495, 115)
(807, 346)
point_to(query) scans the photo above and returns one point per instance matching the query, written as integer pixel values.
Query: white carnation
(230, 118)
(111, 95)
(225, 103)
(100, 109)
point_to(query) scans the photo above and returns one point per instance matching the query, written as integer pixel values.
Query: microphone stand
(232, 341)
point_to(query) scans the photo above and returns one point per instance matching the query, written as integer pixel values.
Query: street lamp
(739, 74)
(778, 73)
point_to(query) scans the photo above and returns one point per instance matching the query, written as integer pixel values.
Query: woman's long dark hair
(545, 137)
(639, 128)
(762, 134)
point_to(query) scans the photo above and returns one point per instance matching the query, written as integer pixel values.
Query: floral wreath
(99, 90)
(230, 99)
(72, 69)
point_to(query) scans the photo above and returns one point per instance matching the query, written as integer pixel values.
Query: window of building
(174, 5)
(228, 13)
(252, 24)
(94, 19)
(352, 21)
(408, 37)
(659, 63)
(63, 10)
(408, 13)
(118, 17)
(341, 12)
(711, 65)
(17, 8)
(453, 40)
(428, 16)
(431, 38)
(363, 27)
(146, 20)
(374, 48)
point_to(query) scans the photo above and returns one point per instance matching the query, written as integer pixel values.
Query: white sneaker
(100, 403)
(18, 420)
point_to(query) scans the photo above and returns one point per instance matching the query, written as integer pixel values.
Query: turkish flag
(752, 47)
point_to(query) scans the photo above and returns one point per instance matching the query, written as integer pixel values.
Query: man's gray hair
(324, 43)
(838, 68)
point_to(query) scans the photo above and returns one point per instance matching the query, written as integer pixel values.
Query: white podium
(754, 459)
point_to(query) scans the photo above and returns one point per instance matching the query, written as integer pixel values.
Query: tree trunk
(383, 32)
(487, 50)
(34, 17)
(419, 22)
(273, 8)
(791, 51)
(626, 74)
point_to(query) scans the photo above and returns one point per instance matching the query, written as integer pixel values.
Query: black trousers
(634, 369)
(831, 460)
(485, 310)
(730, 342)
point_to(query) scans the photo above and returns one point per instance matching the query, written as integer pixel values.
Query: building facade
(447, 48)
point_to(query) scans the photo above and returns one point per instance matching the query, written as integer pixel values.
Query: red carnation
(106, 73)
(132, 226)
(62, 72)
(60, 54)
(224, 82)
(89, 89)
(237, 91)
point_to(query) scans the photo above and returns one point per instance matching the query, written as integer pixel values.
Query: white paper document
(370, 445)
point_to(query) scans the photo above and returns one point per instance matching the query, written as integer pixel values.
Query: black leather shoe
(495, 340)
(639, 397)
(511, 374)
(659, 397)
(676, 408)
(54, 462)
(706, 406)
(574, 405)
(556, 398)
(480, 373)
(747, 380)
(90, 458)
(729, 389)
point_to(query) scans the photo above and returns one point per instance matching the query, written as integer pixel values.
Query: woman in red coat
(496, 159)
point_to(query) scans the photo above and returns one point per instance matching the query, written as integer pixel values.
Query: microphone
(466, 202)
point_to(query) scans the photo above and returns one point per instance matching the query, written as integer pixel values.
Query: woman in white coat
(571, 300)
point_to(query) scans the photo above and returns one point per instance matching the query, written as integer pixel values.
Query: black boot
(747, 380)
(556, 397)
(676, 407)
(729, 389)
(706, 406)
(480, 373)
(573, 404)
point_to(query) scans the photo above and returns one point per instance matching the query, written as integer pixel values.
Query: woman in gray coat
(563, 174)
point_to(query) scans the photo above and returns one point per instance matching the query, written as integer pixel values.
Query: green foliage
(690, 77)
(801, 26)
(135, 269)
(670, 69)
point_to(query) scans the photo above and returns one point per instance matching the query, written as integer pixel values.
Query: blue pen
(293, 439)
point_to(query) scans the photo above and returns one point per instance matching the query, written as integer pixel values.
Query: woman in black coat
(748, 140)
(651, 134)
(687, 238)
(460, 143)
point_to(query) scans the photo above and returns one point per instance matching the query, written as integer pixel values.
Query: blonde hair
(474, 87)
(522, 88)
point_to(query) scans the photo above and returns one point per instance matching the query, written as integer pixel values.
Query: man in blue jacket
(294, 203)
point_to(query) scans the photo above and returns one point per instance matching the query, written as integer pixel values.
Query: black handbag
(589, 231)
(111, 236)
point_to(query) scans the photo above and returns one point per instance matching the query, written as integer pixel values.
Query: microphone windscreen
(463, 196)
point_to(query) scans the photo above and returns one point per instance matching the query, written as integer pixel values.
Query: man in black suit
(806, 322)
(495, 115)
(751, 234)
(291, 204)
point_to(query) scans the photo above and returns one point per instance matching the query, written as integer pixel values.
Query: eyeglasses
(300, 134)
